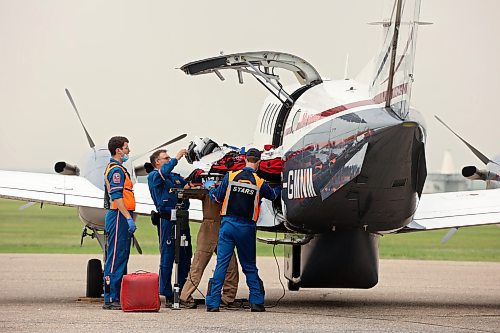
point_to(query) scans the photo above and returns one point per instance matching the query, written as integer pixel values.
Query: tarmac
(41, 292)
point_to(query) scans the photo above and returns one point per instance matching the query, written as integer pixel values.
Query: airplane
(354, 163)
(490, 175)
(83, 187)
(354, 159)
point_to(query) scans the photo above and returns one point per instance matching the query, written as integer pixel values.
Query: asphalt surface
(40, 292)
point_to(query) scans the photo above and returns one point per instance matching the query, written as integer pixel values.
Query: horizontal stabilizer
(388, 23)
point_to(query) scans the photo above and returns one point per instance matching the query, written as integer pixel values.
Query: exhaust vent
(399, 182)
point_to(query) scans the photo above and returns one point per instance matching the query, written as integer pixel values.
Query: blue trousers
(167, 254)
(239, 233)
(118, 251)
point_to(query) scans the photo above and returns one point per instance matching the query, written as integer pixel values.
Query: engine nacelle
(66, 169)
(144, 170)
(473, 173)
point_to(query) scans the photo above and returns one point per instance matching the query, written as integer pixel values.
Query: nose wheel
(94, 278)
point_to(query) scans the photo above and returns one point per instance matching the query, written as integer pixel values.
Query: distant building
(448, 180)
(439, 182)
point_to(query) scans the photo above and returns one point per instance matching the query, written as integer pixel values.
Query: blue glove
(208, 184)
(131, 226)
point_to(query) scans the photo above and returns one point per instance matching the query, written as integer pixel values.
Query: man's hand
(181, 154)
(209, 184)
(131, 226)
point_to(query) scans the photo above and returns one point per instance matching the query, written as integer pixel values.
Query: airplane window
(295, 121)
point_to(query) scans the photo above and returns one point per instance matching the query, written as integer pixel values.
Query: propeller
(448, 235)
(180, 137)
(476, 152)
(27, 205)
(89, 139)
(143, 170)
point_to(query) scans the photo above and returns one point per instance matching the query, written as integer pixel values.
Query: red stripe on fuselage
(332, 144)
(380, 98)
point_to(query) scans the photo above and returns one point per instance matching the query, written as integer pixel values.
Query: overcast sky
(119, 59)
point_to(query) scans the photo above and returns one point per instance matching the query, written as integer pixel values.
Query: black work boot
(112, 306)
(213, 310)
(257, 308)
(168, 302)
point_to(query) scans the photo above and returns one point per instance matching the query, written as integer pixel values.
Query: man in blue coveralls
(160, 181)
(119, 224)
(240, 193)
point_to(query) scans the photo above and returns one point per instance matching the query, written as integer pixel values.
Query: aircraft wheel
(94, 278)
(293, 286)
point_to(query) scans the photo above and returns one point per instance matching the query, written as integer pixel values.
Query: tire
(94, 278)
(293, 286)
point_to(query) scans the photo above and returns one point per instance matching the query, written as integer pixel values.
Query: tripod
(180, 218)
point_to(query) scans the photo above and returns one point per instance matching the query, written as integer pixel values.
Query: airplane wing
(72, 191)
(455, 210)
(59, 190)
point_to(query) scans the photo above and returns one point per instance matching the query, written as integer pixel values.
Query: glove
(131, 226)
(208, 184)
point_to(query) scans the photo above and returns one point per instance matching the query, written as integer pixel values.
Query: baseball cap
(253, 152)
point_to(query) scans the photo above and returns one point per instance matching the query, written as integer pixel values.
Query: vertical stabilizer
(393, 77)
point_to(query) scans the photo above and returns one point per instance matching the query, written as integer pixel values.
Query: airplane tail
(391, 83)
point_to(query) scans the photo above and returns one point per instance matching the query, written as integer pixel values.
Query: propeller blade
(135, 242)
(448, 235)
(27, 205)
(89, 139)
(180, 137)
(476, 152)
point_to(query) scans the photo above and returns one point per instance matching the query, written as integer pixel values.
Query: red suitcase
(140, 292)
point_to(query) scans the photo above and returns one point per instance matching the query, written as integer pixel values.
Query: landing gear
(94, 278)
(292, 286)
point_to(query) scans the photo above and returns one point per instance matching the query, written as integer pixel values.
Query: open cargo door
(261, 65)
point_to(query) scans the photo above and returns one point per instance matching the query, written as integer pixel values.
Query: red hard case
(140, 292)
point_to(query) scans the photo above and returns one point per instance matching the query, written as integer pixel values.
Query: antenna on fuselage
(89, 139)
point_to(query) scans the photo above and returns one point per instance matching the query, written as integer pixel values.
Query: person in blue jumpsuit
(160, 181)
(239, 194)
(119, 223)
